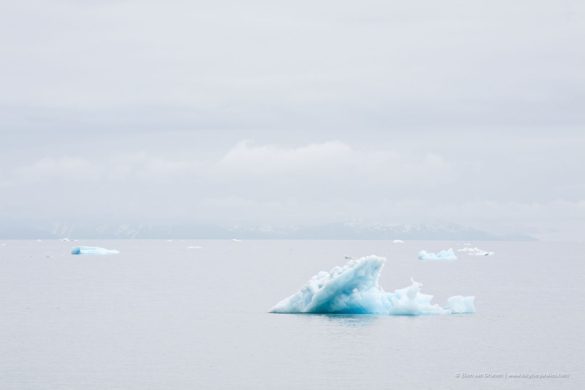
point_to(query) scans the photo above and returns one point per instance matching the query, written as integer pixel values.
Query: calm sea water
(162, 316)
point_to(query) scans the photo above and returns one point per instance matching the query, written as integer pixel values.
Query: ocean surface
(160, 315)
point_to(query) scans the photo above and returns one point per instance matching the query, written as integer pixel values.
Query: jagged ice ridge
(354, 289)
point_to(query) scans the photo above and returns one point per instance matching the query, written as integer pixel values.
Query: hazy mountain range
(346, 231)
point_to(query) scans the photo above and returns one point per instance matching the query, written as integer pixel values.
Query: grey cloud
(462, 111)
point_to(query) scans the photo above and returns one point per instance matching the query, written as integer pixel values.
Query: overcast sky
(297, 112)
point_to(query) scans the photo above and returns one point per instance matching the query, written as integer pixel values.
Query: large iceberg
(445, 255)
(92, 250)
(354, 289)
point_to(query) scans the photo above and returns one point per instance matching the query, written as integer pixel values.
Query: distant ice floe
(236, 240)
(444, 255)
(398, 242)
(476, 251)
(194, 247)
(354, 289)
(93, 250)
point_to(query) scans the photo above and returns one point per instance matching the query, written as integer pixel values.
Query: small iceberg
(93, 250)
(354, 289)
(194, 247)
(476, 251)
(445, 255)
(459, 304)
(398, 242)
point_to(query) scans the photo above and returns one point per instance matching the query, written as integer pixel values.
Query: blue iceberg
(354, 289)
(93, 250)
(446, 255)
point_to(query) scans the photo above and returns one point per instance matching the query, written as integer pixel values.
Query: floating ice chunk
(475, 251)
(93, 250)
(410, 301)
(236, 240)
(459, 304)
(398, 242)
(445, 255)
(354, 289)
(65, 239)
(194, 247)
